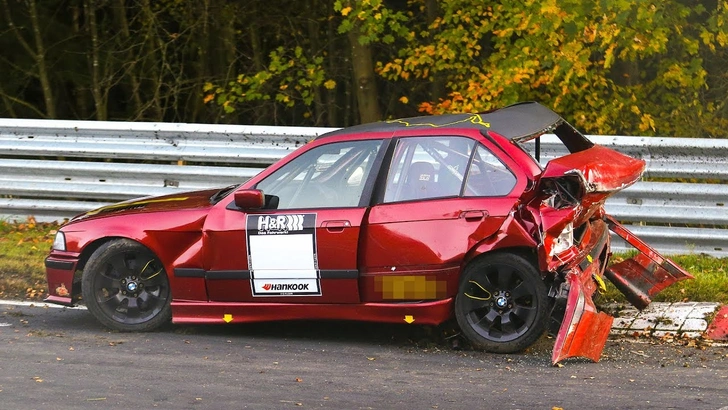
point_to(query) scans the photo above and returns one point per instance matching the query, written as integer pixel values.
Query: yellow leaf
(330, 84)
(404, 100)
(345, 11)
(208, 98)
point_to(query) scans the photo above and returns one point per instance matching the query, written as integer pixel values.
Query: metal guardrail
(56, 169)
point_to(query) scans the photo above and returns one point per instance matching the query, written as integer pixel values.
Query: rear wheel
(502, 303)
(126, 288)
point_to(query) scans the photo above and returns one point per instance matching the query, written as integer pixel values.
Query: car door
(442, 196)
(302, 246)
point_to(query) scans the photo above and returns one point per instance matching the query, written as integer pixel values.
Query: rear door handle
(473, 215)
(335, 226)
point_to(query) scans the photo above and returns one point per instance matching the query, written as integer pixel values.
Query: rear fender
(512, 234)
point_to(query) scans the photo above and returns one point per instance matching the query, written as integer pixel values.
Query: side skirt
(423, 313)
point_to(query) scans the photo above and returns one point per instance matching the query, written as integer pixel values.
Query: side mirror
(249, 199)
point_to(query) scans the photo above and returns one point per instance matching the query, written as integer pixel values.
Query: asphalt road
(53, 358)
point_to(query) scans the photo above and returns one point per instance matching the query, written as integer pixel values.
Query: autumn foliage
(610, 67)
(615, 67)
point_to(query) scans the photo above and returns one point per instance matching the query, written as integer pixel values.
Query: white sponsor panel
(282, 252)
(282, 255)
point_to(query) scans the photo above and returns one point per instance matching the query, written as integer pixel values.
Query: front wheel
(502, 303)
(126, 288)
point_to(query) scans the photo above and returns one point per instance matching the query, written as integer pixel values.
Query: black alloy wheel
(502, 303)
(126, 287)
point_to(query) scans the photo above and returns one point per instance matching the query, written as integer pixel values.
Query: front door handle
(473, 215)
(335, 226)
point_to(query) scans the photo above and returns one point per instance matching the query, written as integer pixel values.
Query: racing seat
(420, 182)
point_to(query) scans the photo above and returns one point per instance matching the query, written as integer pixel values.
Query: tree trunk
(152, 49)
(131, 61)
(37, 54)
(367, 97)
(40, 58)
(97, 83)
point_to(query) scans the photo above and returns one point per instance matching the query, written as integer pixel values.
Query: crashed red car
(416, 220)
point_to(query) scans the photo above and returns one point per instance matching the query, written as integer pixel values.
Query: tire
(502, 303)
(126, 288)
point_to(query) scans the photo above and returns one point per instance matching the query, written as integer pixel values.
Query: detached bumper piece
(645, 275)
(60, 281)
(584, 330)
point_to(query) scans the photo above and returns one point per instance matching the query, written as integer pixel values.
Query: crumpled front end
(574, 250)
(581, 329)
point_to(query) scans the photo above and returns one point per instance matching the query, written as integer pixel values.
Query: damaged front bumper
(583, 329)
(60, 269)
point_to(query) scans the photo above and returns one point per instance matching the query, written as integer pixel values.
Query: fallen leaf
(299, 380)
(371, 358)
(38, 379)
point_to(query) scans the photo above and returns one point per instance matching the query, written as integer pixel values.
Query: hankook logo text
(284, 287)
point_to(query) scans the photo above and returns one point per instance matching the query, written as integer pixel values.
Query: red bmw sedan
(416, 220)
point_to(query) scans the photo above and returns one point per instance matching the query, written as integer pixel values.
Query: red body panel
(603, 169)
(584, 330)
(425, 313)
(644, 275)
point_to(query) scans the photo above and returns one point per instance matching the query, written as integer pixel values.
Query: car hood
(174, 202)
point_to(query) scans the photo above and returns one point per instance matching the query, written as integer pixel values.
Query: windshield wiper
(219, 195)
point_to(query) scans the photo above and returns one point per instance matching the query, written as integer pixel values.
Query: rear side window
(428, 167)
(488, 176)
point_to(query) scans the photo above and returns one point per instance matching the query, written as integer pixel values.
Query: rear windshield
(554, 143)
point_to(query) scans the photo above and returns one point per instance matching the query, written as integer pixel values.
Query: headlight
(564, 241)
(59, 243)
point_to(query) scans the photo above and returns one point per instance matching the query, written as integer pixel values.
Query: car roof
(513, 122)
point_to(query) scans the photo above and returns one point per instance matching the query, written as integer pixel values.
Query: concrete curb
(690, 320)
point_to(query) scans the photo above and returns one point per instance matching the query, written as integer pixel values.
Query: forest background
(609, 66)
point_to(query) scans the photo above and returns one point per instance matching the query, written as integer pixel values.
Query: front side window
(329, 176)
(427, 167)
